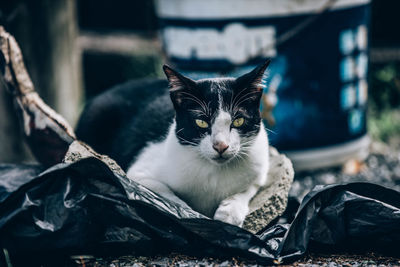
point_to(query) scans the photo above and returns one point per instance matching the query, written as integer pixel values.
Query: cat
(203, 145)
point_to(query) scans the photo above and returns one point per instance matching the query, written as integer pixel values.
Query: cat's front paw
(232, 212)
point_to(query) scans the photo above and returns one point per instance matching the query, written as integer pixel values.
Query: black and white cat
(206, 148)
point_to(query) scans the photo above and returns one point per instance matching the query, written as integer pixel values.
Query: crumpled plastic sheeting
(352, 217)
(12, 176)
(83, 208)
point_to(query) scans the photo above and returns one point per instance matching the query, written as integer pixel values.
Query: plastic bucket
(316, 99)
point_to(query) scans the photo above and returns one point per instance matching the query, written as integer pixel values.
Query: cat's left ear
(253, 80)
(179, 86)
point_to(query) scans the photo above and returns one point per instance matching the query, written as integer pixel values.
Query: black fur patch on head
(248, 91)
(202, 99)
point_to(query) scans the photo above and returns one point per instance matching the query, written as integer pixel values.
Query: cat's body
(193, 179)
(121, 121)
(207, 148)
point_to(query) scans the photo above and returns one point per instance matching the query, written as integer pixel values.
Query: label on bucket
(234, 43)
(317, 86)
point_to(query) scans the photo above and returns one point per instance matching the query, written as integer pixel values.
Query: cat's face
(220, 118)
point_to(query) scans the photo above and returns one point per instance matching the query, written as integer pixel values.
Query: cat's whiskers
(239, 94)
(245, 149)
(180, 130)
(234, 99)
(247, 144)
(198, 139)
(244, 154)
(200, 103)
(251, 92)
(244, 97)
(208, 107)
(198, 112)
(186, 141)
(269, 130)
(197, 100)
(241, 156)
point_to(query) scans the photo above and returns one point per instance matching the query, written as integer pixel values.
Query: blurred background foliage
(384, 72)
(384, 101)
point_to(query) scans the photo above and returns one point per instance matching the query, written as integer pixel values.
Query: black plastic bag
(83, 208)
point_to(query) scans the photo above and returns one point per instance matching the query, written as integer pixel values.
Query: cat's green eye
(238, 122)
(202, 124)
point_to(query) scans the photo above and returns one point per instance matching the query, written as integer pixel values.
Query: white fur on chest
(197, 181)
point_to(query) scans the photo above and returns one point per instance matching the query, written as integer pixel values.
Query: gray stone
(271, 200)
(79, 150)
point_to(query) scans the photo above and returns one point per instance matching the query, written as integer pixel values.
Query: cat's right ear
(176, 80)
(178, 84)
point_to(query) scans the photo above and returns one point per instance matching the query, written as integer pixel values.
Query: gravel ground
(381, 167)
(347, 260)
(310, 260)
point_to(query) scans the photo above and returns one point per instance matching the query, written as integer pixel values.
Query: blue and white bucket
(316, 99)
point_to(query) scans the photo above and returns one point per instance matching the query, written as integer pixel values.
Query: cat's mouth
(220, 159)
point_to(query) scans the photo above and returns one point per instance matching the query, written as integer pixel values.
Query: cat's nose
(220, 147)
